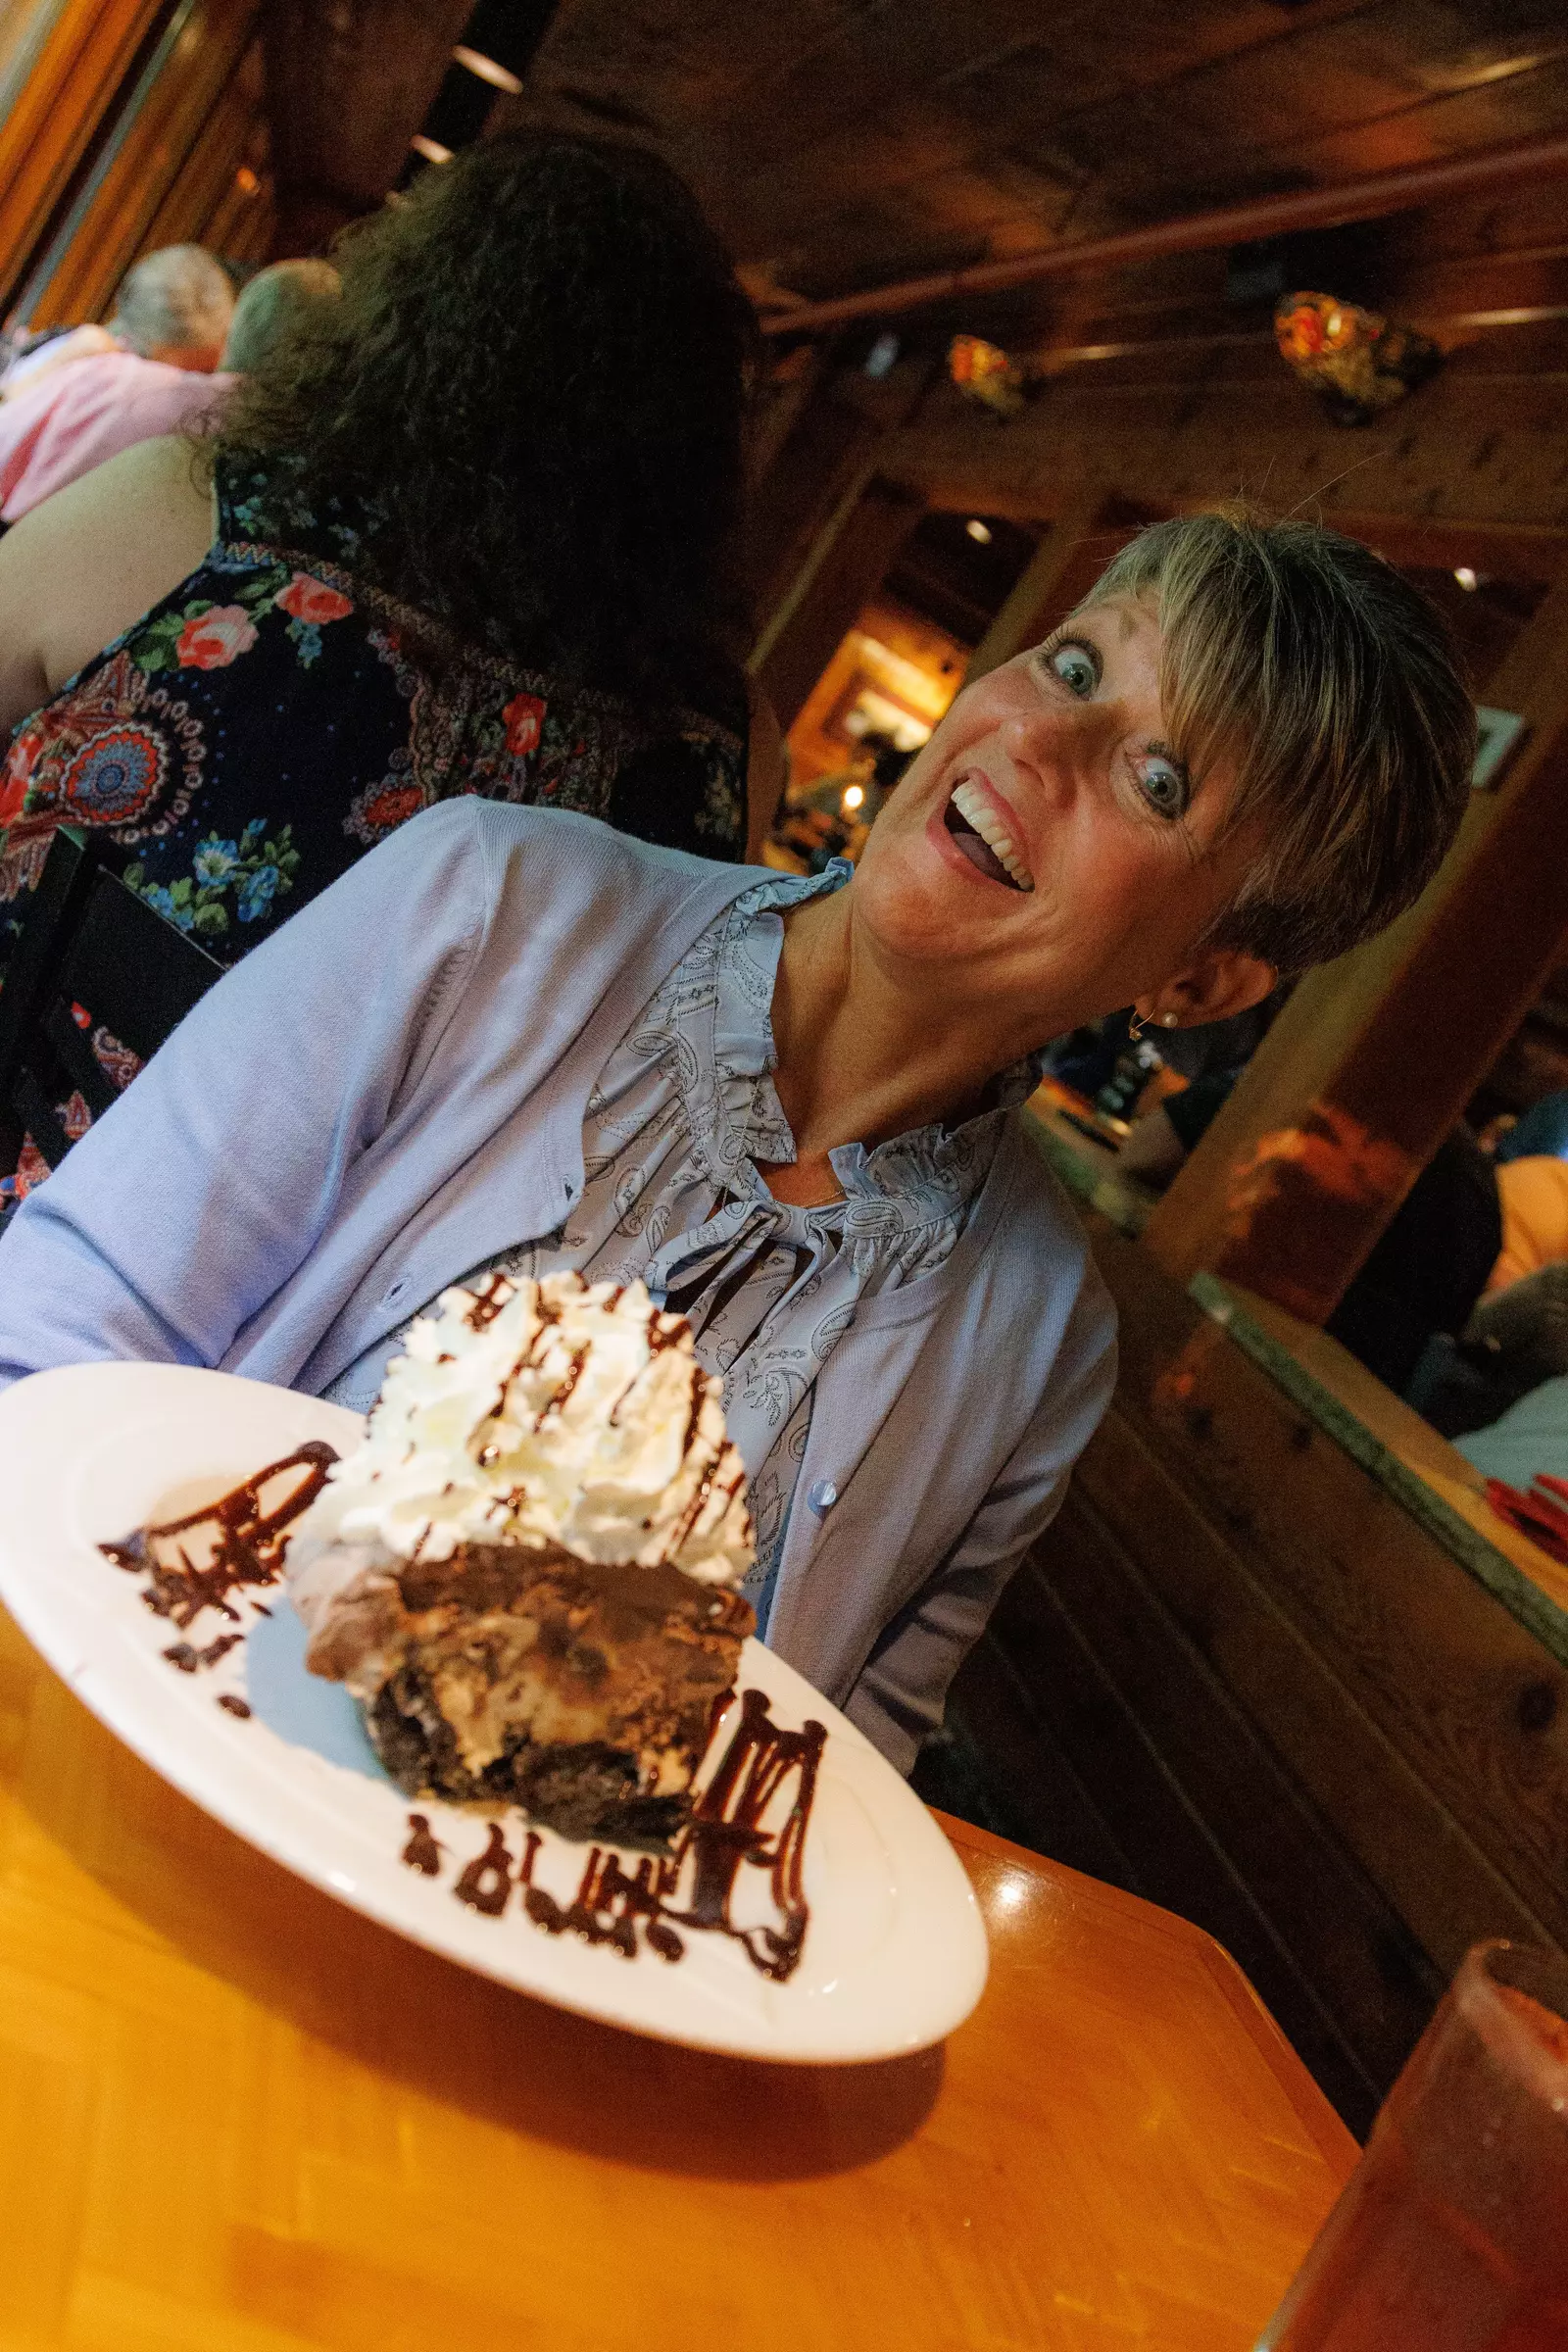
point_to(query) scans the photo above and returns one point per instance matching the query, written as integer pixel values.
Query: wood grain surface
(1240, 1677)
(239, 2117)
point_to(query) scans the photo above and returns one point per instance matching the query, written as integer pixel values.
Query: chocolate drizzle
(422, 1851)
(486, 1883)
(190, 1660)
(488, 1303)
(233, 1704)
(245, 1537)
(723, 1836)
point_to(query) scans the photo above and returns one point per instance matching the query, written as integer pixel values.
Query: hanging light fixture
(987, 373)
(1356, 361)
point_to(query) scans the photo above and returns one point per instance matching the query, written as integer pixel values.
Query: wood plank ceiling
(847, 143)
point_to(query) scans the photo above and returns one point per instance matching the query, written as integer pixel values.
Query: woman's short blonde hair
(1332, 690)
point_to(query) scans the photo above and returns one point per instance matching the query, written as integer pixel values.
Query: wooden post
(844, 564)
(1376, 1056)
(1088, 528)
(347, 88)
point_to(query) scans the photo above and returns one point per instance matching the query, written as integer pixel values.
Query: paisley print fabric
(682, 1114)
(275, 715)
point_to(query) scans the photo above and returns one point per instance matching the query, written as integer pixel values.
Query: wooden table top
(239, 2117)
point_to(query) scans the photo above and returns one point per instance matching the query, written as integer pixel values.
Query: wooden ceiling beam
(347, 87)
(1408, 187)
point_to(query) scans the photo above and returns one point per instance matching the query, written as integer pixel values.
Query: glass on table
(1451, 2235)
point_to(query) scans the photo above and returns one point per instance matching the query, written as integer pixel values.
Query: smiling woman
(788, 1106)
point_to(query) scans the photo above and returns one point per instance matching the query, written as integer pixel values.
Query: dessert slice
(526, 1573)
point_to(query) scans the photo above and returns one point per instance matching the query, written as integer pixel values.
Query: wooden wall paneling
(1216, 1826)
(202, 199)
(242, 223)
(75, 80)
(1466, 1699)
(25, 28)
(999, 1761)
(1432, 1875)
(820, 467)
(1244, 1678)
(1375, 1056)
(1467, 1695)
(111, 227)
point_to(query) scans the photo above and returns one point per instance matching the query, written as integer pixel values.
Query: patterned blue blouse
(684, 1110)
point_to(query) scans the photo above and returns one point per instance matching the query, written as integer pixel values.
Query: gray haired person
(275, 303)
(176, 306)
(75, 404)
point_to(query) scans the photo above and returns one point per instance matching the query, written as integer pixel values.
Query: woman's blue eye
(1165, 785)
(1075, 667)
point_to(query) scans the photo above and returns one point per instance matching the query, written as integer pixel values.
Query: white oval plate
(895, 1953)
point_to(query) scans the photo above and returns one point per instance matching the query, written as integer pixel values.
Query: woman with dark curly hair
(466, 529)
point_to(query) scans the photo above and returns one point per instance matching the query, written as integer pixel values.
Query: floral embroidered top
(683, 1112)
(274, 716)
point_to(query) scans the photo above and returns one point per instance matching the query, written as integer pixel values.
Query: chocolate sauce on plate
(247, 1547)
(723, 1836)
(422, 1851)
(190, 1660)
(486, 1883)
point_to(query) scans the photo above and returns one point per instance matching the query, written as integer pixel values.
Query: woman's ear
(1218, 983)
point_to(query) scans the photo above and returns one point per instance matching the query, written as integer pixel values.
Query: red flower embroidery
(523, 717)
(16, 773)
(307, 599)
(393, 806)
(216, 638)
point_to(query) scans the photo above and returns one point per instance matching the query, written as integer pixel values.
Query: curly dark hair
(531, 398)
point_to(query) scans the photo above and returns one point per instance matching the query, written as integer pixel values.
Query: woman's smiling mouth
(981, 835)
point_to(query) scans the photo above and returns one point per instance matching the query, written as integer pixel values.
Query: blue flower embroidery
(162, 901)
(256, 892)
(254, 868)
(216, 860)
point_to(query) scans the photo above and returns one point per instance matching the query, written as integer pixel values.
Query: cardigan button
(821, 1495)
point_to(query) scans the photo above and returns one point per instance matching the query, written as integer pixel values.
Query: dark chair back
(90, 946)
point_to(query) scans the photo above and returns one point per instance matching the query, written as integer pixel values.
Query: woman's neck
(860, 1057)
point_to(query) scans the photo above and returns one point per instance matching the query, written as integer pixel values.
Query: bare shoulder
(82, 568)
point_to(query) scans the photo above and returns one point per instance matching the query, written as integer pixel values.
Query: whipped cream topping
(546, 1412)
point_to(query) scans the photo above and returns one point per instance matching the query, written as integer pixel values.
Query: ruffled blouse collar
(720, 1006)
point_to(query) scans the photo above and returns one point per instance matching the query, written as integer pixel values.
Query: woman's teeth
(977, 813)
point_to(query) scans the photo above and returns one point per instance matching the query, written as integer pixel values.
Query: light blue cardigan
(392, 1089)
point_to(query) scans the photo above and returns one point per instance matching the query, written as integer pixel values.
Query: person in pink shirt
(157, 377)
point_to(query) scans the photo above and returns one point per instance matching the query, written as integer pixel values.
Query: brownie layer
(581, 1692)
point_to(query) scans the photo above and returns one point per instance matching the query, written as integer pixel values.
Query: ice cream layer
(545, 1412)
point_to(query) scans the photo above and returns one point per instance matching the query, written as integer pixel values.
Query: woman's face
(1047, 852)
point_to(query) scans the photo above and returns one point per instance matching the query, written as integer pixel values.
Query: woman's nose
(1048, 741)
